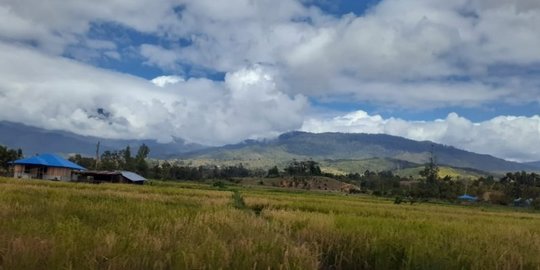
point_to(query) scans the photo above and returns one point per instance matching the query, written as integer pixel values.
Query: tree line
(504, 190)
(171, 171)
(117, 160)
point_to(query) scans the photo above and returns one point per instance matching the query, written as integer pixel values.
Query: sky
(464, 73)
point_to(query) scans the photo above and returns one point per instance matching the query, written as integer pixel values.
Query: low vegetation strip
(50, 225)
(238, 201)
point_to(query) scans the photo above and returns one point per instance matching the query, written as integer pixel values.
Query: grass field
(51, 225)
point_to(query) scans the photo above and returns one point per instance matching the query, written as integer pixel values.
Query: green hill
(351, 153)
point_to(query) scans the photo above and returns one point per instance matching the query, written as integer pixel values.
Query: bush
(536, 204)
(497, 197)
(219, 184)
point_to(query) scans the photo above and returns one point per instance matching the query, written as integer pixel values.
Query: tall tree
(128, 160)
(86, 162)
(7, 155)
(140, 160)
(143, 152)
(109, 161)
(431, 169)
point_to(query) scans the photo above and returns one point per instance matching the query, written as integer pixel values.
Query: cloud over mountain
(230, 70)
(503, 136)
(57, 93)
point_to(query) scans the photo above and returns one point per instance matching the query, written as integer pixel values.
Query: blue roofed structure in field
(466, 197)
(45, 166)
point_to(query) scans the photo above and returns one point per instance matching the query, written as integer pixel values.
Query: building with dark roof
(45, 166)
(110, 177)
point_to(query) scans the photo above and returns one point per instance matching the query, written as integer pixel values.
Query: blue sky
(464, 73)
(342, 7)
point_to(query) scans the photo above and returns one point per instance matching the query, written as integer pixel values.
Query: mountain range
(337, 148)
(341, 151)
(33, 140)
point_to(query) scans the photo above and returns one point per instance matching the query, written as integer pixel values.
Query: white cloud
(419, 53)
(508, 137)
(416, 54)
(422, 54)
(55, 25)
(163, 81)
(423, 50)
(68, 95)
(160, 57)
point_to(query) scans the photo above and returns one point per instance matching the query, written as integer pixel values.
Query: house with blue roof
(45, 166)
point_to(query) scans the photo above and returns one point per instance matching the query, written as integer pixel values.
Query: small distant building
(45, 166)
(520, 202)
(467, 198)
(110, 177)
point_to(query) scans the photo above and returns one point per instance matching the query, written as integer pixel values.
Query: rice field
(52, 225)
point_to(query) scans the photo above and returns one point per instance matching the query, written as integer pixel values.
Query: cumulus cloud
(421, 53)
(399, 53)
(160, 57)
(57, 26)
(416, 54)
(58, 93)
(163, 81)
(508, 137)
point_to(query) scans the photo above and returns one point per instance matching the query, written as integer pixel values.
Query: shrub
(497, 197)
(536, 203)
(219, 184)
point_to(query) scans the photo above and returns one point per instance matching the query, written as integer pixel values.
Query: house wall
(42, 172)
(20, 171)
(53, 173)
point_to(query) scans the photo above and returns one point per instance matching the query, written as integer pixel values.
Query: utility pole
(97, 155)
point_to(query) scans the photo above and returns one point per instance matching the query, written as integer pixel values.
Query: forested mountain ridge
(346, 151)
(358, 146)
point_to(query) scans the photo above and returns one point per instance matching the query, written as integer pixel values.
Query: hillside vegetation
(350, 152)
(51, 225)
(353, 153)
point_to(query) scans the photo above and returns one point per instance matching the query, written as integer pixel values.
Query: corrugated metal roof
(50, 160)
(132, 176)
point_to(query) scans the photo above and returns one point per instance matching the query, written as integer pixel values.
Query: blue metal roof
(467, 197)
(50, 160)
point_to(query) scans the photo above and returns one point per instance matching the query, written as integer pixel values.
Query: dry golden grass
(51, 225)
